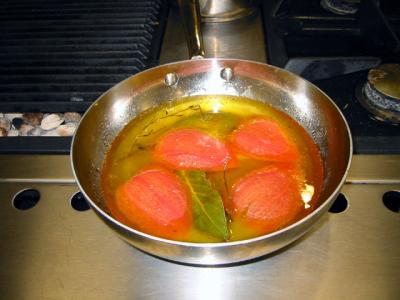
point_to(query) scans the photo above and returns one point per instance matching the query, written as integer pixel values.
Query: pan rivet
(171, 79)
(226, 74)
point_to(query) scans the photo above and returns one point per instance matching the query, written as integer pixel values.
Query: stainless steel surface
(310, 107)
(279, 88)
(365, 169)
(380, 95)
(344, 7)
(191, 22)
(242, 39)
(224, 10)
(55, 252)
(385, 79)
(36, 168)
(381, 169)
(227, 10)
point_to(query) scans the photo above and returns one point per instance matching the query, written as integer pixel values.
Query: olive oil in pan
(218, 116)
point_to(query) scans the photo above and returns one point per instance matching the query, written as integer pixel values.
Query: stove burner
(341, 7)
(381, 93)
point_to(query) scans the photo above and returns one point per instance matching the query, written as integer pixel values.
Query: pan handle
(190, 14)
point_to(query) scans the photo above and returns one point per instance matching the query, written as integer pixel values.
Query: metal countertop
(55, 252)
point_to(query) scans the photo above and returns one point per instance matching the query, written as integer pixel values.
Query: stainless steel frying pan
(313, 109)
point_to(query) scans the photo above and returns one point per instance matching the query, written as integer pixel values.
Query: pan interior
(279, 88)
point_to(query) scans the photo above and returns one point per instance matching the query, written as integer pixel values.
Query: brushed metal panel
(375, 169)
(55, 252)
(35, 168)
(56, 168)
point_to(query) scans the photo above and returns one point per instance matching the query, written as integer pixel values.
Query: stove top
(60, 56)
(315, 42)
(89, 48)
(52, 247)
(335, 47)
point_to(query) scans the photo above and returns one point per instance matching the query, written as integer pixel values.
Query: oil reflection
(119, 109)
(216, 107)
(307, 194)
(302, 102)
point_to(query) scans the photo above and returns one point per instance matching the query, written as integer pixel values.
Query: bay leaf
(208, 207)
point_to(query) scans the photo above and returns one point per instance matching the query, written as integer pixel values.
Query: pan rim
(281, 231)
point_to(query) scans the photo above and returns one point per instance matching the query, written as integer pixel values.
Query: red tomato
(263, 139)
(268, 198)
(156, 202)
(192, 149)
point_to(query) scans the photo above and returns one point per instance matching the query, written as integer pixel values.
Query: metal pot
(224, 10)
(303, 101)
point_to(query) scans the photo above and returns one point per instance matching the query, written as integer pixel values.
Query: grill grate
(62, 55)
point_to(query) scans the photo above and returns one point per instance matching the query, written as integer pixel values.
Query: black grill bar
(76, 48)
(78, 41)
(104, 70)
(62, 55)
(67, 22)
(36, 4)
(77, 27)
(72, 62)
(89, 16)
(9, 80)
(72, 34)
(73, 55)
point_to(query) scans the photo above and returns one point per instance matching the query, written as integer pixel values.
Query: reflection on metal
(385, 79)
(226, 40)
(55, 252)
(223, 11)
(227, 10)
(265, 83)
(381, 93)
(36, 168)
(379, 169)
(191, 22)
(341, 7)
(227, 74)
(171, 79)
(373, 169)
